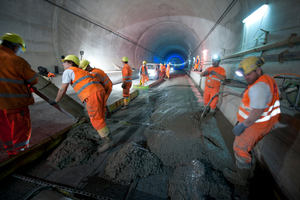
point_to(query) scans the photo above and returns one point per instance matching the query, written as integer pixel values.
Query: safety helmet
(198, 56)
(216, 58)
(73, 58)
(144, 62)
(249, 64)
(14, 38)
(83, 64)
(125, 59)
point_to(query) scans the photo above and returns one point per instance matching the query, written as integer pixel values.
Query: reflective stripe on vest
(102, 79)
(84, 86)
(265, 118)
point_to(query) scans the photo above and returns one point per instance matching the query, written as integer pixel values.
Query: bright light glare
(239, 73)
(204, 51)
(215, 56)
(258, 14)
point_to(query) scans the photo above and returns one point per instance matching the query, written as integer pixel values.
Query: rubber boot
(240, 177)
(108, 142)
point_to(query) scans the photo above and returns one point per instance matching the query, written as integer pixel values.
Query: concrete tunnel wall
(148, 30)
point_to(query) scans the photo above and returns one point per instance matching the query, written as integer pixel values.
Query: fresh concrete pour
(191, 151)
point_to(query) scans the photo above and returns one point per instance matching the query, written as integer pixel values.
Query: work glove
(239, 129)
(213, 73)
(205, 73)
(52, 102)
(123, 85)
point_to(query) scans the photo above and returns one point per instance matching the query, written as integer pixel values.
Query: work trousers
(96, 109)
(208, 94)
(144, 79)
(196, 66)
(245, 142)
(15, 129)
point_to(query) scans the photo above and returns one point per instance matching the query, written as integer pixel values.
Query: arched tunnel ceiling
(163, 28)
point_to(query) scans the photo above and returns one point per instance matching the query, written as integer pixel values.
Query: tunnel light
(256, 15)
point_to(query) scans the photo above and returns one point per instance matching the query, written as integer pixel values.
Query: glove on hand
(205, 73)
(213, 72)
(52, 102)
(123, 85)
(239, 129)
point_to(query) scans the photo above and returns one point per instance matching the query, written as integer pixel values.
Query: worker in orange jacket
(214, 75)
(89, 91)
(16, 77)
(144, 72)
(127, 81)
(161, 71)
(100, 76)
(168, 71)
(258, 113)
(197, 62)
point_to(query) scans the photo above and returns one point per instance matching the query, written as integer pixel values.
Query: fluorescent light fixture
(258, 14)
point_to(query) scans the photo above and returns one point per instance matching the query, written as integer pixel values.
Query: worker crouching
(257, 115)
(89, 91)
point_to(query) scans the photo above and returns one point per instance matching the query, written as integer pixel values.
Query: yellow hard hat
(198, 56)
(144, 62)
(249, 64)
(125, 59)
(14, 38)
(83, 64)
(73, 58)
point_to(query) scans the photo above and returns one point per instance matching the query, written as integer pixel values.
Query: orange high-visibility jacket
(127, 75)
(143, 71)
(15, 76)
(168, 70)
(213, 80)
(102, 77)
(84, 84)
(271, 114)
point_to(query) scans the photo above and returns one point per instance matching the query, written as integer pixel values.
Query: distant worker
(127, 81)
(201, 65)
(144, 72)
(258, 113)
(16, 77)
(197, 62)
(214, 75)
(89, 91)
(168, 71)
(101, 77)
(157, 72)
(161, 72)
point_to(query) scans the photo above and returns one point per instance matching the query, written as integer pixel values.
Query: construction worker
(144, 72)
(161, 72)
(16, 77)
(157, 72)
(89, 91)
(201, 65)
(168, 71)
(127, 81)
(214, 75)
(197, 62)
(101, 77)
(258, 113)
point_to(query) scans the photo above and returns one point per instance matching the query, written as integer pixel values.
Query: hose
(207, 106)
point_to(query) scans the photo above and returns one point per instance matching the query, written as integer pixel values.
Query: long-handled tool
(207, 106)
(33, 89)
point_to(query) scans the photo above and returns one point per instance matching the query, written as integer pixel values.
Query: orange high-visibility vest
(103, 78)
(84, 84)
(213, 80)
(127, 75)
(15, 76)
(271, 114)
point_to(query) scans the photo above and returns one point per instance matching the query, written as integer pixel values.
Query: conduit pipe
(293, 39)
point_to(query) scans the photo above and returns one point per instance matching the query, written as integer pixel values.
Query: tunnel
(171, 32)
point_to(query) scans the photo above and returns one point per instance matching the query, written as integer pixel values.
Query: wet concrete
(177, 156)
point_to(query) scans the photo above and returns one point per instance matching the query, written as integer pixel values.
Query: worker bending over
(214, 75)
(101, 77)
(127, 81)
(89, 91)
(258, 113)
(144, 72)
(197, 62)
(16, 77)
